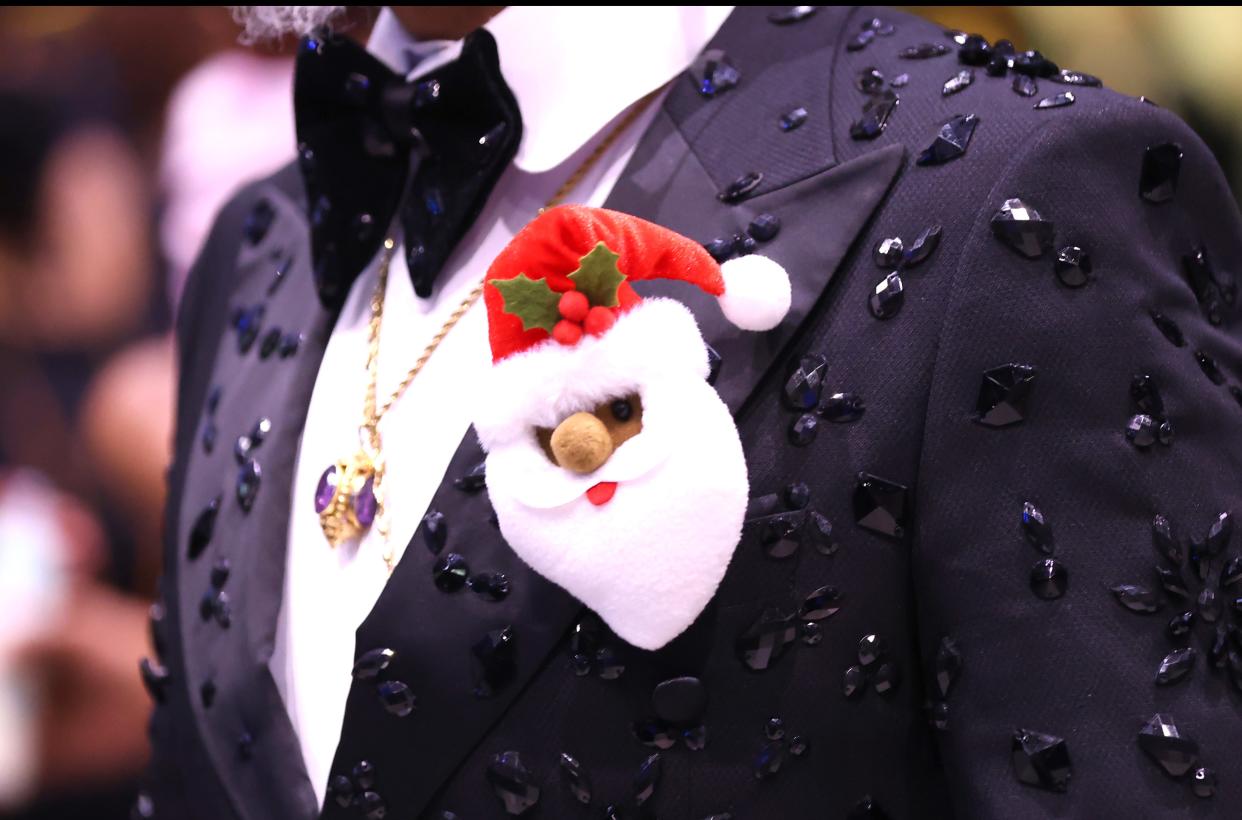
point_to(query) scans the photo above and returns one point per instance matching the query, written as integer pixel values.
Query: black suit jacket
(961, 675)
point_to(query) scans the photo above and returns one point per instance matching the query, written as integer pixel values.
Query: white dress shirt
(574, 70)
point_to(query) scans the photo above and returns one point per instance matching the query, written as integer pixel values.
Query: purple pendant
(326, 489)
(365, 503)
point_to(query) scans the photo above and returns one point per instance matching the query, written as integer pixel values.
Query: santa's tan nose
(581, 443)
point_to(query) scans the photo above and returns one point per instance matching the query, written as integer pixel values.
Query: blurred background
(122, 130)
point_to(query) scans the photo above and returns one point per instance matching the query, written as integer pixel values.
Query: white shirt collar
(572, 68)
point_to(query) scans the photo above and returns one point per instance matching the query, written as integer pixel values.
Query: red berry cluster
(577, 317)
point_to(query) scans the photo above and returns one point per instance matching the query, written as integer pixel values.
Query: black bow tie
(359, 128)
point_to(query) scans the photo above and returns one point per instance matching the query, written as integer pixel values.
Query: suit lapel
(447, 648)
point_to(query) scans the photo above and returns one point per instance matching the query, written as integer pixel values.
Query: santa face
(645, 537)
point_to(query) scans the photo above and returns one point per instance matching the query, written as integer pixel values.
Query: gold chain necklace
(350, 495)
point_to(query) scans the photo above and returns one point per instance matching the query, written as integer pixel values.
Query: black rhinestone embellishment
(793, 14)
(1162, 742)
(576, 779)
(805, 384)
(766, 640)
(958, 82)
(1005, 395)
(435, 531)
(974, 50)
(792, 119)
(1049, 579)
(738, 189)
(1169, 328)
(1203, 782)
(951, 142)
(899, 81)
(372, 662)
(646, 779)
(842, 408)
(1041, 760)
(247, 324)
(473, 481)
(887, 298)
(948, 665)
(922, 247)
(870, 80)
(1161, 166)
(1141, 431)
(204, 525)
(1068, 77)
(1056, 100)
(248, 479)
(820, 604)
(494, 586)
(258, 221)
(1137, 598)
(1025, 86)
(1022, 228)
(1072, 266)
(1209, 367)
(396, 697)
(1176, 665)
(450, 572)
(888, 253)
(512, 782)
(804, 430)
(1205, 281)
(271, 340)
(154, 678)
(923, 51)
(875, 116)
(713, 73)
(764, 227)
(495, 665)
(680, 701)
(881, 506)
(861, 41)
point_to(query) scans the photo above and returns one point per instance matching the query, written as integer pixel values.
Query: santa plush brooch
(614, 468)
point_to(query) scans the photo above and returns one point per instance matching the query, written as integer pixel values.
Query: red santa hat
(567, 328)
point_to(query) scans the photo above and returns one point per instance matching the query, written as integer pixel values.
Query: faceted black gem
(713, 364)
(1021, 227)
(282, 271)
(854, 682)
(806, 383)
(938, 716)
(887, 253)
(435, 531)
(899, 81)
(248, 479)
(1041, 760)
(1137, 598)
(1171, 581)
(576, 778)
(797, 495)
(341, 789)
(867, 809)
(803, 430)
(792, 118)
(220, 609)
(396, 697)
(1209, 367)
(738, 189)
(842, 408)
(1232, 573)
(242, 448)
(881, 506)
(154, 678)
(780, 535)
(1049, 579)
(1005, 395)
(871, 648)
(680, 701)
(1141, 431)
(1166, 540)
(768, 761)
(289, 344)
(1169, 328)
(220, 573)
(1164, 433)
(1025, 86)
(248, 323)
(1210, 606)
(765, 641)
(923, 51)
(1220, 533)
(207, 692)
(819, 529)
(974, 50)
(1161, 166)
(820, 604)
(1204, 281)
(494, 662)
(958, 82)
(744, 245)
(870, 80)
(998, 65)
(371, 806)
(948, 665)
(922, 247)
(608, 664)
(258, 221)
(245, 746)
(654, 733)
(886, 678)
(646, 779)
(1033, 64)
(764, 227)
(494, 586)
(1199, 560)
(474, 480)
(881, 27)
(1203, 782)
(793, 14)
(888, 297)
(1181, 625)
(774, 729)
(204, 526)
(951, 142)
(372, 662)
(720, 248)
(798, 745)
(1162, 742)
(811, 633)
(450, 572)
(861, 40)
(1146, 395)
(713, 73)
(1076, 78)
(271, 340)
(1176, 665)
(1072, 266)
(875, 116)
(213, 399)
(512, 782)
(1056, 100)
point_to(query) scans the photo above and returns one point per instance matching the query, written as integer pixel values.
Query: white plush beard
(649, 560)
(273, 22)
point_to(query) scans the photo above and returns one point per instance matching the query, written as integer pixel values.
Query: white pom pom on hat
(757, 293)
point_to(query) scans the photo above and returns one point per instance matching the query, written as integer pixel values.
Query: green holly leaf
(597, 276)
(531, 300)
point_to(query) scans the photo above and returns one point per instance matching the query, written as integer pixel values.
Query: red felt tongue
(601, 493)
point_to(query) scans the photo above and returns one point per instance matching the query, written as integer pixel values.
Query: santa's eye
(621, 410)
